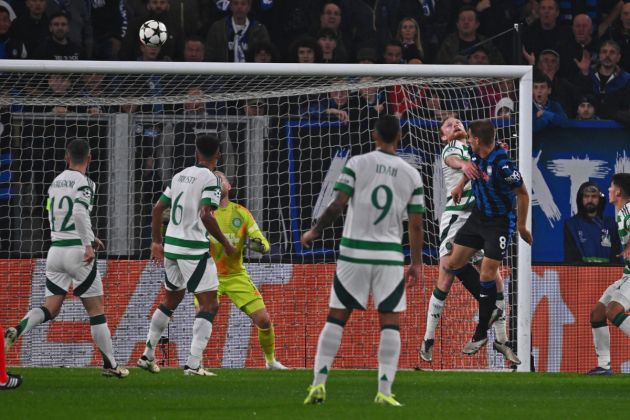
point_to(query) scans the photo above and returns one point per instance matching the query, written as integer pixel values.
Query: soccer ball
(153, 33)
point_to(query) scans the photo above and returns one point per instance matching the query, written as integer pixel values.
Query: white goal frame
(523, 73)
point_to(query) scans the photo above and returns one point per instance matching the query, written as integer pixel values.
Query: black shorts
(492, 234)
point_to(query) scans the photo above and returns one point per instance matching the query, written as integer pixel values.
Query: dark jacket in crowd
(221, 36)
(589, 239)
(52, 50)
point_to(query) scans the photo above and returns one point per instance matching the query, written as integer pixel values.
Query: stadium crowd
(580, 49)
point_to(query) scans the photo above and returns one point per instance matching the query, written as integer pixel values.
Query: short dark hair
(306, 42)
(611, 43)
(540, 77)
(5, 10)
(59, 14)
(194, 38)
(393, 43)
(388, 128)
(78, 150)
(622, 180)
(484, 130)
(207, 145)
(467, 9)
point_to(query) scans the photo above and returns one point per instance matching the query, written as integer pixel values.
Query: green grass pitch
(258, 394)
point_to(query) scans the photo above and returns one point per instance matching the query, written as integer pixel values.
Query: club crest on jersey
(236, 222)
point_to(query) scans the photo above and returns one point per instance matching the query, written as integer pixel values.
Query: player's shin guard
(487, 302)
(327, 346)
(469, 276)
(103, 340)
(436, 305)
(267, 340)
(622, 322)
(33, 318)
(202, 329)
(159, 322)
(601, 339)
(388, 354)
(500, 327)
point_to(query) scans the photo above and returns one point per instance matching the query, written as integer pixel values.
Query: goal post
(282, 146)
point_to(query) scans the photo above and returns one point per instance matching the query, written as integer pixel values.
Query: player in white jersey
(71, 259)
(382, 190)
(615, 301)
(455, 163)
(192, 195)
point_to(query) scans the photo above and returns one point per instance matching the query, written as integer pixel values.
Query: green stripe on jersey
(348, 171)
(174, 256)
(165, 199)
(457, 207)
(418, 191)
(370, 262)
(466, 193)
(371, 245)
(344, 188)
(83, 203)
(415, 208)
(186, 243)
(208, 202)
(213, 188)
(69, 242)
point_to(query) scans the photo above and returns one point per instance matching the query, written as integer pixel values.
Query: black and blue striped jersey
(493, 191)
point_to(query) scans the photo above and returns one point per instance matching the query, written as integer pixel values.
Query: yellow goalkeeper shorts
(241, 291)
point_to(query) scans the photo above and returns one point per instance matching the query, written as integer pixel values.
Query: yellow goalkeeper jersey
(236, 223)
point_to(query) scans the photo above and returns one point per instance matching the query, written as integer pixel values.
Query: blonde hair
(417, 42)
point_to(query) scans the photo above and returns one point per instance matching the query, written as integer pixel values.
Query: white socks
(388, 354)
(159, 322)
(327, 346)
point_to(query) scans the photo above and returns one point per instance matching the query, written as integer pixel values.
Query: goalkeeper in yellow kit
(237, 224)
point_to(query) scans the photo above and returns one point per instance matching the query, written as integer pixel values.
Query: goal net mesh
(284, 141)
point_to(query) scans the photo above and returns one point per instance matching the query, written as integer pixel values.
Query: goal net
(286, 132)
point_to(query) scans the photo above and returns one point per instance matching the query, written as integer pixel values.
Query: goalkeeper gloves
(256, 244)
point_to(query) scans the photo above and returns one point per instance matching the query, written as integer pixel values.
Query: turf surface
(83, 393)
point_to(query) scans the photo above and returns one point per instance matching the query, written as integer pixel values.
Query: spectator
(581, 45)
(393, 53)
(327, 40)
(335, 105)
(262, 52)
(229, 39)
(32, 28)
(409, 36)
(58, 46)
(156, 10)
(367, 56)
(11, 48)
(589, 236)
(479, 56)
(110, 21)
(602, 12)
(194, 49)
(464, 38)
(546, 32)
(620, 33)
(186, 130)
(586, 109)
(6, 188)
(9, 9)
(546, 113)
(607, 81)
(80, 24)
(305, 50)
(330, 20)
(562, 90)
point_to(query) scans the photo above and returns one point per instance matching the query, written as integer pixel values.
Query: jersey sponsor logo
(514, 178)
(237, 222)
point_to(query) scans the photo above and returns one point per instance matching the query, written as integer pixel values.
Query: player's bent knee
(613, 310)
(448, 269)
(598, 313)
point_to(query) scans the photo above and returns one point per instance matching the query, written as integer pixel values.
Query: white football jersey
(453, 176)
(70, 188)
(623, 226)
(186, 236)
(383, 190)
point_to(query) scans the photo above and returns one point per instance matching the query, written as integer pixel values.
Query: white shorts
(195, 275)
(354, 282)
(618, 292)
(450, 223)
(65, 266)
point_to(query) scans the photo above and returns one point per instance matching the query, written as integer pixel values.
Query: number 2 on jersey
(376, 202)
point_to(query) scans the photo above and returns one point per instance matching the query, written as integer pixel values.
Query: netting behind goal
(284, 142)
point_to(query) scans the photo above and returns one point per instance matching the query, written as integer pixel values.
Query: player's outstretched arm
(331, 213)
(207, 217)
(522, 206)
(157, 249)
(416, 242)
(467, 167)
